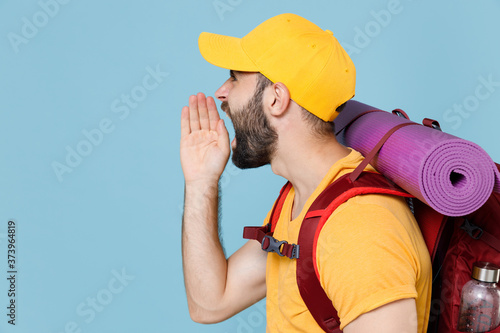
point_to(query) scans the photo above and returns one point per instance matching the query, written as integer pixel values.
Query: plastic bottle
(480, 302)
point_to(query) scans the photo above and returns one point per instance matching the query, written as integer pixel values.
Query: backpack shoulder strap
(264, 234)
(333, 196)
(278, 206)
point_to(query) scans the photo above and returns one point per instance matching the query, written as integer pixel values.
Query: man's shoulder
(374, 217)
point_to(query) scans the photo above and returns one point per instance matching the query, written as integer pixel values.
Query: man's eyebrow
(232, 73)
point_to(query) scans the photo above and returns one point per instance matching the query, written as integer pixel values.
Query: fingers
(213, 114)
(201, 114)
(203, 111)
(194, 116)
(185, 127)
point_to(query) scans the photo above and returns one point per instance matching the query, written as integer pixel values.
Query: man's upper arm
(396, 317)
(246, 281)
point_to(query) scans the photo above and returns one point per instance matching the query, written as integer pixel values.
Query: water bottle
(480, 300)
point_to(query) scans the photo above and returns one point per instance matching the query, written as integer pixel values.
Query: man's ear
(278, 99)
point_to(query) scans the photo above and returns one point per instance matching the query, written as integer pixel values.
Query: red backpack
(454, 243)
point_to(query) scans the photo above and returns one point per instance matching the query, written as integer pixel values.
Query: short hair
(319, 127)
(263, 81)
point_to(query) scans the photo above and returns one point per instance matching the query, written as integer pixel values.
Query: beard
(255, 138)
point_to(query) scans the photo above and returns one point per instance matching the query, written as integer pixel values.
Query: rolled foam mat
(452, 175)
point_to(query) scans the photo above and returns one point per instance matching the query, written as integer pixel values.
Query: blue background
(63, 72)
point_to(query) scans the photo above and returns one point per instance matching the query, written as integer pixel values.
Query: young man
(287, 80)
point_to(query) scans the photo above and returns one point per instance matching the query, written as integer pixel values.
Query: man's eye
(232, 76)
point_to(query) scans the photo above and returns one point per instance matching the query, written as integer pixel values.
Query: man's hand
(216, 288)
(204, 141)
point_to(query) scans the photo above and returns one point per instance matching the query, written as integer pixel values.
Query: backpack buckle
(472, 230)
(271, 244)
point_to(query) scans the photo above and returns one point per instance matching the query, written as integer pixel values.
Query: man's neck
(305, 164)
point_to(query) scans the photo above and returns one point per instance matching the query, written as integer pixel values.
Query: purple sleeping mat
(452, 175)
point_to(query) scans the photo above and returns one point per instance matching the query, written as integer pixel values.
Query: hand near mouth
(204, 145)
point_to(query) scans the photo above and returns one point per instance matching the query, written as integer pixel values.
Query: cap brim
(225, 52)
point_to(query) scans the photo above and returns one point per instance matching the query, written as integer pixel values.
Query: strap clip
(432, 124)
(271, 244)
(295, 252)
(471, 229)
(400, 113)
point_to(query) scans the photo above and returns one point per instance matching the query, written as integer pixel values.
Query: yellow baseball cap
(287, 48)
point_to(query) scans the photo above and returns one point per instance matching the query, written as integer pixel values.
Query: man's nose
(222, 92)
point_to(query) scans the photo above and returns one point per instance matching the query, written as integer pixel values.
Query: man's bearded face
(255, 139)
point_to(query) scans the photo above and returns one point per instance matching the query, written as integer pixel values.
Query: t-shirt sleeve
(365, 259)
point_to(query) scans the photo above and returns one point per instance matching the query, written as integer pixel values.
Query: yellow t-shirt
(369, 253)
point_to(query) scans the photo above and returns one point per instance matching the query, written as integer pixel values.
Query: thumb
(223, 135)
